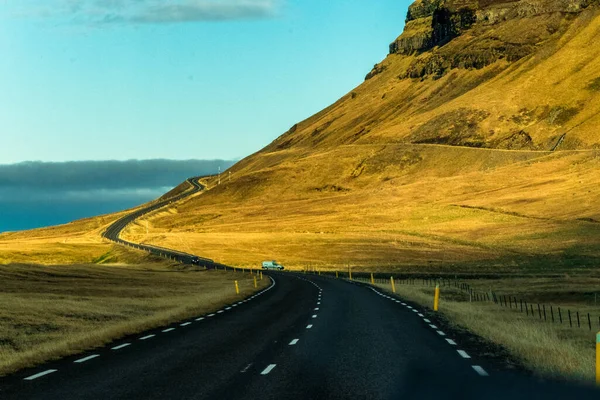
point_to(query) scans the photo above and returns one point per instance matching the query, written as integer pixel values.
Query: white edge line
(463, 354)
(480, 371)
(32, 377)
(81, 360)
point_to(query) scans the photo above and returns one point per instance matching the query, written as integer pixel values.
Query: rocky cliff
(491, 30)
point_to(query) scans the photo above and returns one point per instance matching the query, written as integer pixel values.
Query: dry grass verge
(550, 350)
(51, 311)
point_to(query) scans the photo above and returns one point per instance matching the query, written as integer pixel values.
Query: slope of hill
(473, 140)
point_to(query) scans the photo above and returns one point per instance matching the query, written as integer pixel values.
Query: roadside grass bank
(549, 350)
(47, 312)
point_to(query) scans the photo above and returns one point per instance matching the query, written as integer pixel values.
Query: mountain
(473, 143)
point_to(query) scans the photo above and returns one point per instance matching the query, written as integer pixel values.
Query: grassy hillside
(428, 166)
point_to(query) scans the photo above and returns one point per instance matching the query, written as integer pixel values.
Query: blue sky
(177, 79)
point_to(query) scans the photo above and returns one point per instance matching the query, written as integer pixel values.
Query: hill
(472, 143)
(474, 140)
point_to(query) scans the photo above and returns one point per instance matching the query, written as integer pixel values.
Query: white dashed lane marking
(441, 333)
(88, 358)
(168, 330)
(268, 369)
(433, 326)
(450, 341)
(211, 315)
(308, 326)
(199, 319)
(314, 316)
(147, 337)
(463, 354)
(480, 370)
(47, 372)
(186, 324)
(121, 346)
(293, 342)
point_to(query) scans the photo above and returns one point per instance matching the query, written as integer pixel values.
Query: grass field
(51, 311)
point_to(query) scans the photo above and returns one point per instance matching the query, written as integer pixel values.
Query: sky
(177, 79)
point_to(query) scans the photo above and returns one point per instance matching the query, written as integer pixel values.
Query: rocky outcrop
(433, 25)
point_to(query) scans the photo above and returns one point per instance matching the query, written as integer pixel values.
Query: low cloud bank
(36, 194)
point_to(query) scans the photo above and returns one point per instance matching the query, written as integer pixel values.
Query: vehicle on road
(272, 265)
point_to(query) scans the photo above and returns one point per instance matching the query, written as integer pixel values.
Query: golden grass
(53, 311)
(444, 205)
(548, 349)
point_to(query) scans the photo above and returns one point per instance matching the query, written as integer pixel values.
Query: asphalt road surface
(306, 337)
(113, 232)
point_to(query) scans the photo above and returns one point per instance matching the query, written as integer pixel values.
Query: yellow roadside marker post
(237, 288)
(598, 358)
(393, 284)
(255, 285)
(261, 275)
(436, 298)
(350, 272)
(372, 279)
(336, 274)
(319, 271)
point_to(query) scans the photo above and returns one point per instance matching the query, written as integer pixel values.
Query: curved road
(113, 232)
(305, 337)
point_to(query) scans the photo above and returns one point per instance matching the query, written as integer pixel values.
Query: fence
(545, 312)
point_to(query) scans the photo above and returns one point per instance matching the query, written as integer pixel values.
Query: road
(113, 232)
(304, 337)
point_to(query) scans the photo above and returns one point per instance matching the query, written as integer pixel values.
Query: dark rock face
(496, 30)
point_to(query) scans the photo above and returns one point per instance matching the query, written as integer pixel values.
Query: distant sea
(30, 215)
(39, 194)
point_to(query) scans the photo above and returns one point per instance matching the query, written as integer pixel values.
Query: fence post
(539, 311)
(255, 285)
(531, 305)
(589, 321)
(526, 309)
(559, 315)
(544, 306)
(578, 324)
(552, 313)
(570, 322)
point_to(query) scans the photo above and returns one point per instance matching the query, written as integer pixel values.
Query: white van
(272, 265)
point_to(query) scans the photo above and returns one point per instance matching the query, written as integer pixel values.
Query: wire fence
(544, 312)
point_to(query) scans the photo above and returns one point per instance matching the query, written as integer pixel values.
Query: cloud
(35, 194)
(151, 11)
(35, 180)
